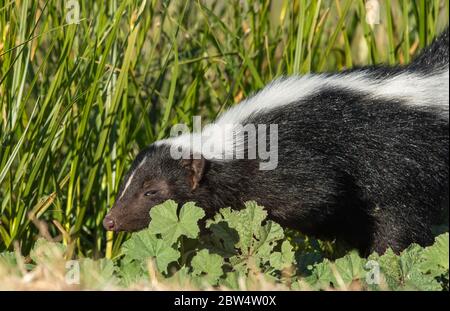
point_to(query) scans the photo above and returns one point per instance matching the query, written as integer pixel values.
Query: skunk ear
(196, 167)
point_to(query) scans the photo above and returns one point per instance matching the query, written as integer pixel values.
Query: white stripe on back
(411, 88)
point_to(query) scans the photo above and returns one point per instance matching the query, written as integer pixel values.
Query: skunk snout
(109, 223)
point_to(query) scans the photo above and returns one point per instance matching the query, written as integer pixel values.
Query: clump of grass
(78, 100)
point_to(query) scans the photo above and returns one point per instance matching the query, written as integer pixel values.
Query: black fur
(432, 57)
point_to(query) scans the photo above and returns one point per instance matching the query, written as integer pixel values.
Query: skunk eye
(151, 192)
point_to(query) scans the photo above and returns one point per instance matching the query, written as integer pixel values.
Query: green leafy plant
(241, 243)
(416, 268)
(237, 249)
(237, 243)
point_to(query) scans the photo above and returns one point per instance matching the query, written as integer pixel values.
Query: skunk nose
(109, 223)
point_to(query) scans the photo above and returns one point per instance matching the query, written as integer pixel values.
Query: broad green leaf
(270, 235)
(165, 221)
(390, 268)
(131, 272)
(321, 275)
(145, 245)
(242, 235)
(411, 276)
(419, 281)
(247, 222)
(436, 256)
(404, 272)
(350, 267)
(208, 265)
(283, 259)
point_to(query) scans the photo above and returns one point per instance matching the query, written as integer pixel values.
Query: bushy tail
(434, 57)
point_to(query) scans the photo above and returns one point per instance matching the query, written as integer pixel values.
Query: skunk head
(153, 178)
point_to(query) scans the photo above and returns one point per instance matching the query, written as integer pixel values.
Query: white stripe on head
(128, 183)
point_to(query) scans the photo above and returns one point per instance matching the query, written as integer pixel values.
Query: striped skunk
(362, 156)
